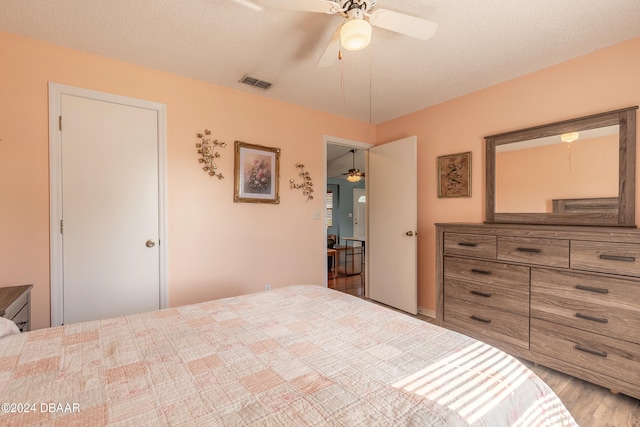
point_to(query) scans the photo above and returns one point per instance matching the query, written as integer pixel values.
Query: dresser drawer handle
(21, 325)
(617, 258)
(480, 319)
(595, 319)
(482, 294)
(591, 351)
(475, 270)
(592, 289)
(469, 244)
(531, 250)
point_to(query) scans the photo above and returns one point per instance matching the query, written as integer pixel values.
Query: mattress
(298, 355)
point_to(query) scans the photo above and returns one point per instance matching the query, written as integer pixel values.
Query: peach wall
(217, 248)
(604, 80)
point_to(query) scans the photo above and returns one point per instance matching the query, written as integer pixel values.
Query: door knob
(409, 233)
(150, 243)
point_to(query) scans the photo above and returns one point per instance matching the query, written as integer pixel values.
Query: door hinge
(61, 226)
(60, 122)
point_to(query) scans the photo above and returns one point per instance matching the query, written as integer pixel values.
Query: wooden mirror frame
(624, 118)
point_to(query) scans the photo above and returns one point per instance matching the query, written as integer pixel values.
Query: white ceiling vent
(255, 82)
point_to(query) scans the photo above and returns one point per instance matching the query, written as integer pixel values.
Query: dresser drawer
(592, 352)
(604, 305)
(476, 245)
(617, 258)
(548, 252)
(493, 284)
(487, 321)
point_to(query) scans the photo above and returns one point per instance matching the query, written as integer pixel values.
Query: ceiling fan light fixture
(355, 34)
(353, 178)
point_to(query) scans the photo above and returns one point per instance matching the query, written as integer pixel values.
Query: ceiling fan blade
(403, 24)
(331, 52)
(320, 6)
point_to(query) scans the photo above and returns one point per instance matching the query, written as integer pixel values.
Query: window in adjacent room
(329, 208)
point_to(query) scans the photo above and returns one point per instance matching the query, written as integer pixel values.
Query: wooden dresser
(15, 305)
(564, 297)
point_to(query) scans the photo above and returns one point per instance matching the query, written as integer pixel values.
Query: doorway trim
(335, 140)
(56, 90)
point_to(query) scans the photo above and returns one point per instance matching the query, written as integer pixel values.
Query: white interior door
(393, 218)
(359, 212)
(110, 209)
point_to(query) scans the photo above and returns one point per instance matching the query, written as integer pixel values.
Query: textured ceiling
(478, 44)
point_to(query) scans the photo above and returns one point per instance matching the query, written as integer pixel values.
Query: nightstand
(15, 304)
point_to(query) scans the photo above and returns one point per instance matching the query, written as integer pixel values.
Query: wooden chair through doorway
(333, 254)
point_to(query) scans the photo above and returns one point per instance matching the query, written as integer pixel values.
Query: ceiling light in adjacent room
(354, 174)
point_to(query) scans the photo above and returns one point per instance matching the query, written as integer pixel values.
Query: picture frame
(256, 173)
(454, 175)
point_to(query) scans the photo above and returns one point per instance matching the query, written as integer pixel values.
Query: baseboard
(426, 312)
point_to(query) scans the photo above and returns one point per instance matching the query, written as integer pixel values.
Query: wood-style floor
(353, 285)
(589, 404)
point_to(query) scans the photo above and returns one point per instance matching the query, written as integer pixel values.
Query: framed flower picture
(257, 173)
(454, 175)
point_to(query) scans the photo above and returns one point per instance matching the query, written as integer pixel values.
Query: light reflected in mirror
(531, 174)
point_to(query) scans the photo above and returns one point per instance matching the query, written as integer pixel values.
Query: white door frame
(56, 91)
(328, 139)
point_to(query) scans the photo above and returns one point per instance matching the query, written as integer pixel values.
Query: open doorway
(345, 216)
(390, 258)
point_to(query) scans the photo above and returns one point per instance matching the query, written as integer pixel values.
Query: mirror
(574, 172)
(583, 166)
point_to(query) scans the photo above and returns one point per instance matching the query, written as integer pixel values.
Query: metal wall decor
(306, 185)
(206, 148)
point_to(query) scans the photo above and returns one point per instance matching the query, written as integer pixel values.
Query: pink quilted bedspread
(294, 356)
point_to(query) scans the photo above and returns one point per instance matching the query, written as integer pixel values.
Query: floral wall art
(257, 173)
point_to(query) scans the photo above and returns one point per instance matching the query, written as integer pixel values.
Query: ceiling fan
(354, 175)
(355, 32)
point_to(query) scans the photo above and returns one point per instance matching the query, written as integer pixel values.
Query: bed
(298, 355)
